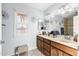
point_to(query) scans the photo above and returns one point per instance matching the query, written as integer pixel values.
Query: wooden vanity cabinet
(61, 53)
(57, 52)
(51, 48)
(64, 50)
(44, 46)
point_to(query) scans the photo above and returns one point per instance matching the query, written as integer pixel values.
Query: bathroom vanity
(50, 46)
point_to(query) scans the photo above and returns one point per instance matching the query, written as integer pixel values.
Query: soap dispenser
(75, 38)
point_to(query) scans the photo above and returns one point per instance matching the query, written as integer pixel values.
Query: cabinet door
(46, 47)
(40, 44)
(45, 52)
(57, 52)
(54, 51)
(60, 53)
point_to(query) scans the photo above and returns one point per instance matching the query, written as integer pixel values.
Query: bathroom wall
(76, 24)
(11, 39)
(0, 32)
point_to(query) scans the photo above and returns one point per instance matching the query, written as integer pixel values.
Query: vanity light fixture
(68, 8)
(61, 11)
(47, 17)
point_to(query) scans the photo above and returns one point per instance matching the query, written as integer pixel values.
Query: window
(20, 23)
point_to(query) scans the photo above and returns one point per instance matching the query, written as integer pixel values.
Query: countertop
(60, 40)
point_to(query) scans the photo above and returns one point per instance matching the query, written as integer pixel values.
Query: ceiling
(40, 6)
(48, 7)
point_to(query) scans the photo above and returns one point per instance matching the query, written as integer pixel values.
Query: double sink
(66, 40)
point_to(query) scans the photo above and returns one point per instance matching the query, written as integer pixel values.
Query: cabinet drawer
(40, 38)
(39, 43)
(47, 47)
(64, 48)
(47, 41)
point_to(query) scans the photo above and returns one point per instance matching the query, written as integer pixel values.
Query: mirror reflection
(58, 26)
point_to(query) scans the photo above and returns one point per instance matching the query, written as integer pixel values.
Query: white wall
(12, 40)
(76, 25)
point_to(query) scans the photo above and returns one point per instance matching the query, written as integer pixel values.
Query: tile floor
(35, 52)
